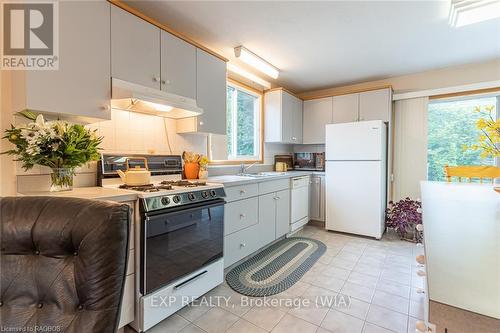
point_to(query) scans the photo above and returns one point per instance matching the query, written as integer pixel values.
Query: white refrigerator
(356, 177)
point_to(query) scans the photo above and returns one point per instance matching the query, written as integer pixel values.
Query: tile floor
(379, 276)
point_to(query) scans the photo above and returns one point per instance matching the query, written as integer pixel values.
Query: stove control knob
(213, 193)
(165, 200)
(191, 196)
(204, 194)
(176, 198)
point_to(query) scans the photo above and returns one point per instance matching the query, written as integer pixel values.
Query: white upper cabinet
(80, 88)
(345, 108)
(210, 93)
(317, 114)
(283, 117)
(368, 105)
(178, 66)
(375, 105)
(135, 49)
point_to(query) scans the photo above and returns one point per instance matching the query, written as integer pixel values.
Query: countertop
(462, 245)
(234, 180)
(101, 193)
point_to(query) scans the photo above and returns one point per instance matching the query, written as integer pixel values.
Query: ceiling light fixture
(255, 61)
(248, 75)
(465, 12)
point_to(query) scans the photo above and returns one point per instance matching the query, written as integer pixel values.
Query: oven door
(178, 241)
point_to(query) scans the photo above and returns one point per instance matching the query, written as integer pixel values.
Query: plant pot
(191, 170)
(61, 179)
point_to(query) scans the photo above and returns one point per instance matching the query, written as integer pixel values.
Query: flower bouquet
(59, 145)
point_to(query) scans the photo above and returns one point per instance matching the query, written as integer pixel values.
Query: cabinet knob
(242, 216)
(163, 82)
(421, 273)
(420, 291)
(277, 198)
(105, 107)
(242, 245)
(201, 123)
(243, 191)
(294, 138)
(156, 79)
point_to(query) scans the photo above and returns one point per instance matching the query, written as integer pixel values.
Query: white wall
(7, 170)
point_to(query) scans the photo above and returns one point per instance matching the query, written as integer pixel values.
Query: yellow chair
(472, 172)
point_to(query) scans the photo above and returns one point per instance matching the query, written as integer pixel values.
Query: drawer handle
(243, 191)
(243, 244)
(188, 281)
(420, 291)
(421, 273)
(277, 198)
(242, 216)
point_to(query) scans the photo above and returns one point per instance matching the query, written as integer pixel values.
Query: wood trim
(237, 162)
(466, 93)
(283, 89)
(346, 92)
(146, 18)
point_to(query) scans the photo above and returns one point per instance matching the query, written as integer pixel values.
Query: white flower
(40, 121)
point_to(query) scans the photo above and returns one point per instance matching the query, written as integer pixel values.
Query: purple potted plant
(403, 216)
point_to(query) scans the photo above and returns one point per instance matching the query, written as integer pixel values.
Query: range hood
(133, 97)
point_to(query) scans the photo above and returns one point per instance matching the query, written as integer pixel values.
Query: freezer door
(359, 141)
(355, 197)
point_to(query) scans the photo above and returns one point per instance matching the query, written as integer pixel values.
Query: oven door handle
(188, 281)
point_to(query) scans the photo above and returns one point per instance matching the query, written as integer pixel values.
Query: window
(242, 141)
(451, 125)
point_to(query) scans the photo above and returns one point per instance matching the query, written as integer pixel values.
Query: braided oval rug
(276, 268)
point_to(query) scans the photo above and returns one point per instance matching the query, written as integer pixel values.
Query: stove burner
(146, 188)
(183, 183)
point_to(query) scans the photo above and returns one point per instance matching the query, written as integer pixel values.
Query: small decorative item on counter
(191, 164)
(203, 174)
(59, 145)
(404, 216)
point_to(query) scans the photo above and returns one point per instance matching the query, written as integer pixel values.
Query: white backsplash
(131, 132)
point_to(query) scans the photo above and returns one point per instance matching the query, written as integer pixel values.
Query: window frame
(495, 93)
(260, 159)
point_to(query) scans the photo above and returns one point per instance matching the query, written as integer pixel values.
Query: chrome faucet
(244, 169)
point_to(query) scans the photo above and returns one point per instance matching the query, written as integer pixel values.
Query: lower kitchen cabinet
(282, 201)
(317, 198)
(240, 244)
(274, 215)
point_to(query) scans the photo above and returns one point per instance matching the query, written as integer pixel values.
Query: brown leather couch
(63, 264)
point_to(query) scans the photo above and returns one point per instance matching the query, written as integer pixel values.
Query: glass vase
(61, 179)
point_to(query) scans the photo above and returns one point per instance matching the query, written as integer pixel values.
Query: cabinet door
(211, 93)
(287, 111)
(267, 218)
(272, 116)
(375, 105)
(178, 66)
(345, 108)
(297, 121)
(317, 113)
(282, 212)
(315, 199)
(81, 85)
(135, 49)
(322, 200)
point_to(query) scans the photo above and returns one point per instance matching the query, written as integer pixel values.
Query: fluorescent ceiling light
(255, 61)
(248, 75)
(159, 107)
(465, 12)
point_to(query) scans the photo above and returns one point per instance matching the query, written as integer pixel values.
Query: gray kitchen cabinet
(317, 114)
(178, 66)
(282, 213)
(317, 199)
(283, 117)
(210, 96)
(345, 108)
(135, 49)
(80, 88)
(274, 215)
(375, 105)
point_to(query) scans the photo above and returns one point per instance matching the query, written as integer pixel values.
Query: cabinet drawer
(128, 301)
(241, 192)
(274, 185)
(240, 244)
(240, 214)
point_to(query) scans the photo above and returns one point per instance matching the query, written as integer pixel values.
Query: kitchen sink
(262, 174)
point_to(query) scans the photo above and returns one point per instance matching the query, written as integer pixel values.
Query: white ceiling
(324, 44)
